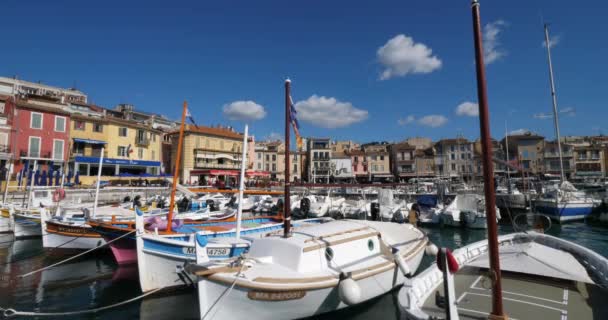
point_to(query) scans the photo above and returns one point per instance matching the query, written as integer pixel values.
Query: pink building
(7, 107)
(42, 131)
(360, 170)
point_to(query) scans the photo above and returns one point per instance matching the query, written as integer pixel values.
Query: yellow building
(209, 155)
(131, 148)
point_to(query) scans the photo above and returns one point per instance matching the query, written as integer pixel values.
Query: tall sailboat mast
(488, 169)
(286, 202)
(554, 97)
(507, 155)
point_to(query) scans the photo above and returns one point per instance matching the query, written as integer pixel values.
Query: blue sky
(154, 54)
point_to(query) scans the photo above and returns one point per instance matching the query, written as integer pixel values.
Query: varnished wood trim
(336, 234)
(340, 241)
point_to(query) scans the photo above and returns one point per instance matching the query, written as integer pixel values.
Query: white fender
(403, 266)
(44, 217)
(348, 290)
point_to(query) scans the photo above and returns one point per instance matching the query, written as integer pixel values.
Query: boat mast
(287, 206)
(239, 213)
(488, 174)
(178, 159)
(98, 183)
(507, 155)
(554, 97)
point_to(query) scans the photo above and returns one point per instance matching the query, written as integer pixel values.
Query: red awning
(252, 173)
(215, 172)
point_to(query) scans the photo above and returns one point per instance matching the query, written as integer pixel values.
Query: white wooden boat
(318, 269)
(542, 277)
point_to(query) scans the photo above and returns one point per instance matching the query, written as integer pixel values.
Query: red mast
(488, 170)
(287, 206)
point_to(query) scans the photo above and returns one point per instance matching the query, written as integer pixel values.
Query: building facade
(403, 161)
(527, 150)
(551, 159)
(319, 160)
(378, 162)
(589, 161)
(454, 158)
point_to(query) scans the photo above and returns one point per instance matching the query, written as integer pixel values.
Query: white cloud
(244, 111)
(329, 112)
(408, 120)
(433, 120)
(569, 111)
(553, 40)
(467, 108)
(274, 136)
(519, 132)
(402, 56)
(493, 50)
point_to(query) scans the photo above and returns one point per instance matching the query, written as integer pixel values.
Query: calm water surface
(95, 280)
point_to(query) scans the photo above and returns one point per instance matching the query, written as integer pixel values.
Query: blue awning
(91, 141)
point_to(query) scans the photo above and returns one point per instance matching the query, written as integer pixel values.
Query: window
(140, 153)
(59, 124)
(3, 141)
(274, 167)
(122, 132)
(267, 167)
(453, 156)
(1, 107)
(259, 156)
(452, 148)
(153, 137)
(259, 166)
(462, 147)
(453, 167)
(469, 156)
(153, 155)
(407, 156)
(36, 120)
(97, 127)
(34, 147)
(267, 157)
(316, 155)
(58, 149)
(382, 158)
(374, 158)
(462, 156)
(122, 151)
(141, 136)
(79, 125)
(295, 167)
(274, 157)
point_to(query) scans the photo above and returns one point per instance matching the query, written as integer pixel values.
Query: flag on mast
(189, 116)
(294, 123)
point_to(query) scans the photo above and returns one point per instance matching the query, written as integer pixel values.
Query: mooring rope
(76, 256)
(225, 293)
(9, 313)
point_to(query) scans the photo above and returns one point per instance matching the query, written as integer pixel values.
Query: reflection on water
(95, 280)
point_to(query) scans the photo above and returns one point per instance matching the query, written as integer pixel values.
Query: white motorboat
(320, 268)
(319, 206)
(466, 210)
(565, 203)
(542, 277)
(386, 208)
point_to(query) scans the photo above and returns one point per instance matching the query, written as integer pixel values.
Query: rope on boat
(76, 256)
(9, 313)
(225, 293)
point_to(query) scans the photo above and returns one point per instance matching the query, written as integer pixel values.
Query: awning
(90, 141)
(252, 173)
(382, 175)
(215, 172)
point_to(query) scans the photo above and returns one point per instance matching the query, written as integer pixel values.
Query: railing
(142, 142)
(5, 149)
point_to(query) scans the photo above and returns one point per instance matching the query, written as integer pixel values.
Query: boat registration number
(218, 251)
(212, 252)
(276, 296)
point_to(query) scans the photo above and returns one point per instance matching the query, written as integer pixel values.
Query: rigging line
(9, 313)
(76, 256)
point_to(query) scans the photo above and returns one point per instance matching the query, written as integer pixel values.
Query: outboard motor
(162, 203)
(305, 206)
(375, 211)
(137, 201)
(212, 205)
(232, 202)
(183, 204)
(279, 206)
(126, 199)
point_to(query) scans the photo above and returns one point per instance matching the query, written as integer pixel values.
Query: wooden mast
(178, 160)
(488, 170)
(286, 202)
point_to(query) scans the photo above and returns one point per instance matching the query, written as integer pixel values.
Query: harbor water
(95, 280)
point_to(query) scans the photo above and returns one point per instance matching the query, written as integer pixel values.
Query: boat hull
(67, 236)
(563, 211)
(296, 303)
(26, 226)
(5, 221)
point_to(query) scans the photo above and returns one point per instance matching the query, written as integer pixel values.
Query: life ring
(58, 194)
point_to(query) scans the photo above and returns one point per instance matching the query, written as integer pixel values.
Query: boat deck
(524, 297)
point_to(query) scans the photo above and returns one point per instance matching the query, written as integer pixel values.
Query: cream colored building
(378, 162)
(209, 155)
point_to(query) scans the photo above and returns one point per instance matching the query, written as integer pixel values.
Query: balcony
(5, 149)
(143, 142)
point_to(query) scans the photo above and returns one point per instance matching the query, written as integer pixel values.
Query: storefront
(88, 166)
(224, 178)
